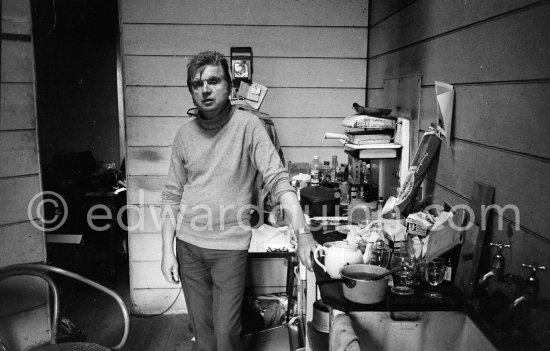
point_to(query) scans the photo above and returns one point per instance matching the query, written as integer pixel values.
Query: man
(207, 197)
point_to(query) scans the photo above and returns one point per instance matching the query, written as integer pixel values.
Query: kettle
(337, 255)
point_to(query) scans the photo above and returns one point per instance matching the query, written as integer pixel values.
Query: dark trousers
(213, 283)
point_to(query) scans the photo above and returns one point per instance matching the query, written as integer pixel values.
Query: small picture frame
(241, 65)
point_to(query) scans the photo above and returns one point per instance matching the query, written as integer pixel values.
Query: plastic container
(315, 168)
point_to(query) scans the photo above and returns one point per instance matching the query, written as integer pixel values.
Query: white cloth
(342, 337)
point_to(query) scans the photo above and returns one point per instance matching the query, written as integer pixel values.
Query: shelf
(387, 150)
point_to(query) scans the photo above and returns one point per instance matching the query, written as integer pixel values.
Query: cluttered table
(332, 294)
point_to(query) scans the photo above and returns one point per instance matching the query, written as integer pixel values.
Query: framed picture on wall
(241, 65)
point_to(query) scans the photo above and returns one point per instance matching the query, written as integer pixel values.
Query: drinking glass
(379, 256)
(407, 262)
(435, 272)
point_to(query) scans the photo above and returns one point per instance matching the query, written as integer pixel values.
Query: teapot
(337, 255)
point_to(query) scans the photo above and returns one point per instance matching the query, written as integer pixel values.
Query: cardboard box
(419, 223)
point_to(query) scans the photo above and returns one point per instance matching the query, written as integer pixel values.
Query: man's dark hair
(207, 58)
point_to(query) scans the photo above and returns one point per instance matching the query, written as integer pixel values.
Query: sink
(411, 331)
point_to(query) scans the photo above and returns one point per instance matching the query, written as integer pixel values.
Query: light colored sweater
(210, 182)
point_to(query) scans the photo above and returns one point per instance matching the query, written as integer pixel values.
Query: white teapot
(337, 255)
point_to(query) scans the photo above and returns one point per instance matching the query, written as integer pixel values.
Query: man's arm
(171, 197)
(169, 265)
(293, 211)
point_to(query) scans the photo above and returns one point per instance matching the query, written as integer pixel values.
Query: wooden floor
(99, 317)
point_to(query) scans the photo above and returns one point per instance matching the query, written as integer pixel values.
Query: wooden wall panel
(147, 275)
(144, 190)
(158, 39)
(151, 301)
(146, 247)
(382, 9)
(144, 219)
(18, 153)
(25, 330)
(21, 293)
(17, 61)
(17, 106)
(157, 101)
(255, 12)
(153, 160)
(270, 72)
(16, 195)
(311, 102)
(442, 17)
(500, 115)
(24, 311)
(15, 17)
(26, 243)
(460, 166)
(315, 128)
(461, 58)
(158, 131)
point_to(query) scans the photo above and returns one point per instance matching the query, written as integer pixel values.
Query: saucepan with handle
(363, 283)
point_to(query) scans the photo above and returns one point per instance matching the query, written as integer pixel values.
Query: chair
(41, 270)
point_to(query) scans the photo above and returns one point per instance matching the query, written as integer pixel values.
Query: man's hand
(306, 245)
(169, 267)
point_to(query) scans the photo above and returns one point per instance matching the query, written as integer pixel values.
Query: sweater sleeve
(176, 179)
(267, 161)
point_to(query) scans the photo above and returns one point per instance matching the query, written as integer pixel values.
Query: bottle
(448, 270)
(352, 191)
(326, 172)
(380, 205)
(333, 168)
(344, 174)
(344, 194)
(314, 170)
(367, 182)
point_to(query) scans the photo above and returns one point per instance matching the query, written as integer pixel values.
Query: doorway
(81, 146)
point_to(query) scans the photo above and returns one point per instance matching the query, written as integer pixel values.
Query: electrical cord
(140, 315)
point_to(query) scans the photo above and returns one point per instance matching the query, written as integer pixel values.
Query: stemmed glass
(407, 262)
(435, 272)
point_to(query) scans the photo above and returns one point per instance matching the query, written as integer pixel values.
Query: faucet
(531, 287)
(497, 264)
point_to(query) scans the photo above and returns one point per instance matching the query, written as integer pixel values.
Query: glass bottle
(333, 168)
(314, 170)
(326, 172)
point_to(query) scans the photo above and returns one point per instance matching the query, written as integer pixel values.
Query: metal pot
(358, 288)
(319, 201)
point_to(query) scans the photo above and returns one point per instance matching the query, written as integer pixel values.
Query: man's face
(210, 91)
